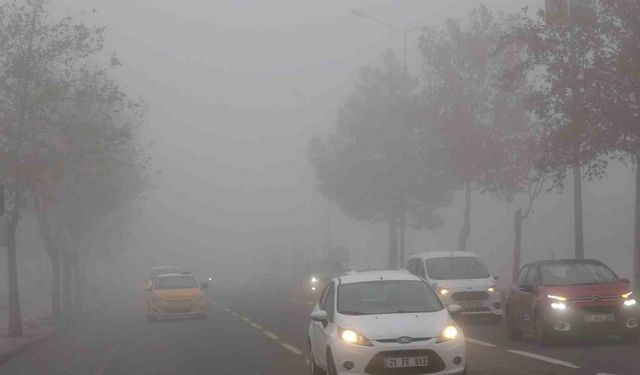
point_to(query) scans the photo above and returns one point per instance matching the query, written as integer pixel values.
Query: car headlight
(353, 337)
(630, 302)
(556, 298)
(559, 306)
(314, 280)
(492, 289)
(443, 291)
(450, 332)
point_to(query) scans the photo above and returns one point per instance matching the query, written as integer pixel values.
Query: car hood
(465, 284)
(393, 326)
(587, 290)
(177, 293)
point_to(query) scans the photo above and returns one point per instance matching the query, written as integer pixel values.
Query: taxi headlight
(353, 337)
(630, 302)
(450, 332)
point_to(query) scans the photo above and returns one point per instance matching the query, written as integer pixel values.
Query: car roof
(563, 261)
(360, 277)
(443, 254)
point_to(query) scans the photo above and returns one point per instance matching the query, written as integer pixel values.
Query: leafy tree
(375, 165)
(462, 74)
(566, 53)
(37, 55)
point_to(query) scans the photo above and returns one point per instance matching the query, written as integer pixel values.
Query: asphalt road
(259, 331)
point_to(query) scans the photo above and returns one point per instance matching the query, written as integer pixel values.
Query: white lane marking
(256, 326)
(270, 335)
(245, 319)
(291, 348)
(478, 342)
(544, 358)
(604, 373)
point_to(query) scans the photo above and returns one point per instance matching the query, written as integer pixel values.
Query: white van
(461, 278)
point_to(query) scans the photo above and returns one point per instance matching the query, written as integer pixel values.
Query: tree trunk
(15, 314)
(517, 245)
(78, 299)
(402, 224)
(56, 311)
(66, 285)
(577, 212)
(636, 250)
(393, 241)
(465, 231)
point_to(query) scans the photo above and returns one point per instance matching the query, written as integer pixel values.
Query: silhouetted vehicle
(571, 297)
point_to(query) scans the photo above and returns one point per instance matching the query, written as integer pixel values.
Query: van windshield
(455, 268)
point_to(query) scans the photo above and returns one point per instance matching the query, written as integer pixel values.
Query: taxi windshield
(176, 282)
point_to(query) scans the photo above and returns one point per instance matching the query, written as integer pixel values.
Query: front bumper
(573, 322)
(369, 360)
(163, 310)
(475, 302)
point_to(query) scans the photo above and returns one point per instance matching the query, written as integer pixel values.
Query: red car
(571, 297)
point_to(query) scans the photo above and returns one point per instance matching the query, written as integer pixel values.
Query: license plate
(406, 362)
(471, 305)
(598, 318)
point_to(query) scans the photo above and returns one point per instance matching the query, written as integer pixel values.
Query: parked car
(571, 297)
(384, 322)
(459, 277)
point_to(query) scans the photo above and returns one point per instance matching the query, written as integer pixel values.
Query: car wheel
(631, 337)
(514, 333)
(315, 369)
(543, 336)
(331, 366)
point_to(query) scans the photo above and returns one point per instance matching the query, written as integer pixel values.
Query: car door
(530, 295)
(516, 295)
(321, 329)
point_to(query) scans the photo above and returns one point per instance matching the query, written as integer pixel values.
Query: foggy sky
(235, 91)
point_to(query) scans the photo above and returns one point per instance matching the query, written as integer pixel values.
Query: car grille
(376, 365)
(416, 339)
(469, 296)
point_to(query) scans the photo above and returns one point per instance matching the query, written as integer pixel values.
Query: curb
(4, 357)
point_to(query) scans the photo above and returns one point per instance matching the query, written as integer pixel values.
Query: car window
(576, 273)
(387, 297)
(522, 276)
(330, 302)
(532, 276)
(412, 266)
(456, 268)
(176, 282)
(323, 298)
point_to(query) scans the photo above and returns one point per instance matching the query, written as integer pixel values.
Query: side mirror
(319, 316)
(204, 285)
(454, 310)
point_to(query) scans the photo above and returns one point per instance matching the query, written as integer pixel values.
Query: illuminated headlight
(314, 280)
(556, 298)
(630, 302)
(210, 279)
(559, 306)
(352, 337)
(313, 288)
(450, 332)
(491, 289)
(444, 291)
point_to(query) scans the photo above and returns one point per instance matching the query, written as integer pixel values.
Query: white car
(461, 278)
(384, 322)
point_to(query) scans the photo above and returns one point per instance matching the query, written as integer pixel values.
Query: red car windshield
(576, 273)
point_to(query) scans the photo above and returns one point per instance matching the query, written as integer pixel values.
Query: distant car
(571, 297)
(319, 274)
(459, 277)
(384, 322)
(176, 295)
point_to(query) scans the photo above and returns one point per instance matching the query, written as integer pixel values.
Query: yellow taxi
(176, 295)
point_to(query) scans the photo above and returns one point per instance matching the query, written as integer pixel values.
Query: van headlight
(450, 332)
(353, 337)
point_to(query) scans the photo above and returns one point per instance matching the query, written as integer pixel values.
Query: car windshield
(455, 268)
(387, 297)
(176, 282)
(576, 273)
